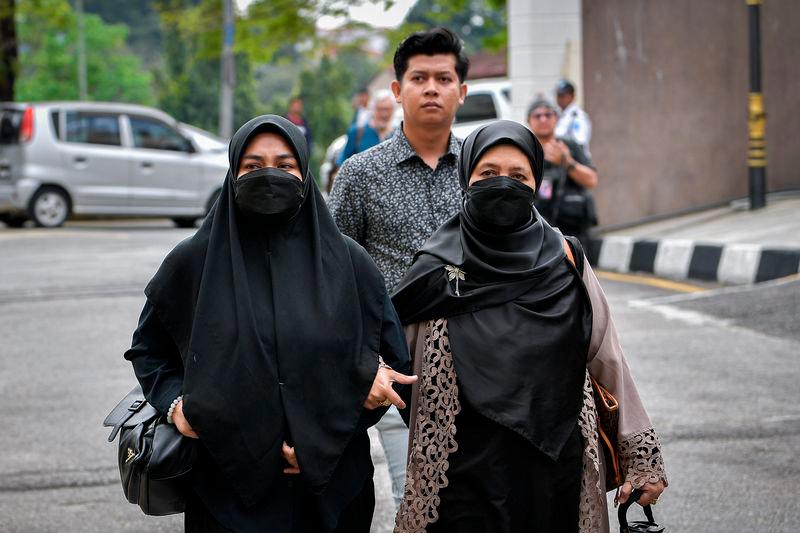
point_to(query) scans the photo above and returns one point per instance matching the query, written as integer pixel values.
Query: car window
(54, 120)
(10, 120)
(476, 107)
(93, 128)
(149, 133)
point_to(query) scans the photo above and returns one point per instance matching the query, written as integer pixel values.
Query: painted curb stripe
(777, 264)
(730, 263)
(704, 263)
(650, 282)
(643, 258)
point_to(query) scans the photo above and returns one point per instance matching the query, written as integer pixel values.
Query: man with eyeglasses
(563, 198)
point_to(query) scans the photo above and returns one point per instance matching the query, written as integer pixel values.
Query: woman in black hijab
(264, 335)
(505, 332)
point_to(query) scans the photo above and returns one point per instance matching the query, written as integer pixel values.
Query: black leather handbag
(573, 205)
(154, 459)
(641, 526)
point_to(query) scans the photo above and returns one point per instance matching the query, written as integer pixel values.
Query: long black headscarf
(298, 369)
(520, 321)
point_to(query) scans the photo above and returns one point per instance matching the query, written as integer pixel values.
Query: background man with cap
(574, 123)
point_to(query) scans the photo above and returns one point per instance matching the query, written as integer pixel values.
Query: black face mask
(269, 193)
(499, 204)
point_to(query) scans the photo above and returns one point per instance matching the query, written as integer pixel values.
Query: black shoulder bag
(573, 205)
(640, 526)
(154, 459)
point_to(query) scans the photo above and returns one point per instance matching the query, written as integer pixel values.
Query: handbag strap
(559, 191)
(622, 512)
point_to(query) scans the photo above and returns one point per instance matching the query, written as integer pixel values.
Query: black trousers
(355, 518)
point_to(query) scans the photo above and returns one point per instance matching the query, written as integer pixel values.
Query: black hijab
(520, 324)
(277, 344)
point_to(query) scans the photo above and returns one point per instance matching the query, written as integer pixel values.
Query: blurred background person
(360, 107)
(574, 122)
(563, 198)
(296, 117)
(377, 129)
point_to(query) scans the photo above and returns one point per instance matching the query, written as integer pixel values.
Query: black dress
(270, 329)
(500, 483)
(348, 502)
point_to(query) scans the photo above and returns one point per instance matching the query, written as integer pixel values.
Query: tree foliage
(482, 24)
(48, 59)
(8, 49)
(188, 79)
(141, 18)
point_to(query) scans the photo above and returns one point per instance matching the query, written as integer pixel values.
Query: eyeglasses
(540, 116)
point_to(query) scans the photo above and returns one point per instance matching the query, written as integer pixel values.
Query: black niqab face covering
(270, 193)
(499, 203)
(519, 320)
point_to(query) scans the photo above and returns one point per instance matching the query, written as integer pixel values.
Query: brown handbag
(606, 405)
(607, 428)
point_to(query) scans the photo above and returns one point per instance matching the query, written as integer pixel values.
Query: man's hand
(288, 453)
(181, 423)
(382, 391)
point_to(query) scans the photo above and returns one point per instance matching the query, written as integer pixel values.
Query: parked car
(486, 100)
(203, 140)
(329, 162)
(90, 158)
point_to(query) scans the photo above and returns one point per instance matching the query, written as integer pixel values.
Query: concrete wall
(544, 45)
(666, 85)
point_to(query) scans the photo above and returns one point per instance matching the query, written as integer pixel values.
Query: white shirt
(574, 124)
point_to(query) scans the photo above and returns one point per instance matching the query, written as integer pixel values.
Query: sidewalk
(730, 244)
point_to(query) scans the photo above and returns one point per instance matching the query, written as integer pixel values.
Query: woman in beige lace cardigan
(504, 333)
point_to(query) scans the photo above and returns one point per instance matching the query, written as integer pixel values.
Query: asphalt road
(718, 372)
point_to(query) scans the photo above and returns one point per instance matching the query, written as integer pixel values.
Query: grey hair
(380, 95)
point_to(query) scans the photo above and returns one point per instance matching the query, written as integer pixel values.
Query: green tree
(47, 33)
(8, 49)
(141, 18)
(482, 24)
(325, 91)
(188, 81)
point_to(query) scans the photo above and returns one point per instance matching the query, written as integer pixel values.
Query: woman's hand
(181, 423)
(650, 492)
(288, 453)
(381, 394)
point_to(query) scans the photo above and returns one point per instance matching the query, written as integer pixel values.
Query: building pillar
(544, 45)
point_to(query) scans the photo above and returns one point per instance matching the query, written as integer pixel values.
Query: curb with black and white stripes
(735, 264)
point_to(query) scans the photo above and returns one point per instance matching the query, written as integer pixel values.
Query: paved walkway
(729, 244)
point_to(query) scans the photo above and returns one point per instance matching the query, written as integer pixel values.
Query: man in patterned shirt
(392, 197)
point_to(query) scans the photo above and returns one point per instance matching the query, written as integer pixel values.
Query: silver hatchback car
(91, 158)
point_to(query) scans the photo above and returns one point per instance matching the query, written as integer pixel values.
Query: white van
(487, 100)
(91, 158)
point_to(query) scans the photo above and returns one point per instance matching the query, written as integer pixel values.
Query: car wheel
(49, 207)
(12, 221)
(185, 222)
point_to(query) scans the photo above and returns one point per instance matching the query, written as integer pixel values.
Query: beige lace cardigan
(435, 405)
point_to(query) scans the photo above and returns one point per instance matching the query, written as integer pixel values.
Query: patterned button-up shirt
(390, 201)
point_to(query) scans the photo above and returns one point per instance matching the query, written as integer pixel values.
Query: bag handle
(623, 511)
